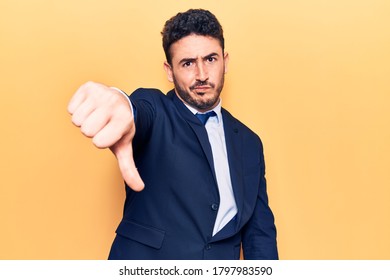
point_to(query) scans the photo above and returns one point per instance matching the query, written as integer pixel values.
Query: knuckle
(92, 89)
(89, 84)
(113, 98)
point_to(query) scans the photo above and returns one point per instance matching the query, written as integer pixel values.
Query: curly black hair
(194, 21)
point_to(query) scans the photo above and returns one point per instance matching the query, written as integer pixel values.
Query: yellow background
(310, 77)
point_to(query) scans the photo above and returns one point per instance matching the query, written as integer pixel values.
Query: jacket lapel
(234, 150)
(197, 127)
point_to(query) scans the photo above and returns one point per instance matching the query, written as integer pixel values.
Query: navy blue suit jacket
(173, 217)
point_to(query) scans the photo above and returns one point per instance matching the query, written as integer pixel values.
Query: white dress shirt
(227, 206)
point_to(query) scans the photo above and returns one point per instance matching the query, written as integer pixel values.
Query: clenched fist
(104, 114)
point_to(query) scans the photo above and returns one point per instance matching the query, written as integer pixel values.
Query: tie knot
(204, 117)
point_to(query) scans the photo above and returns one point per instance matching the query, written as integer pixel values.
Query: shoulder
(152, 96)
(146, 94)
(237, 125)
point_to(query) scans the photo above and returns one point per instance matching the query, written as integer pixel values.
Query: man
(203, 193)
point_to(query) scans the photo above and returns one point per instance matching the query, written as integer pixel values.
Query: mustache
(202, 83)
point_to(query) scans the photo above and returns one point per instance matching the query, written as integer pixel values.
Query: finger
(110, 134)
(124, 155)
(77, 99)
(83, 111)
(95, 122)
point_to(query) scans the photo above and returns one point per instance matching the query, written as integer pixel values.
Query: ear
(168, 69)
(226, 61)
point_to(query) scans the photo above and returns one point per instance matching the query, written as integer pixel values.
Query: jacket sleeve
(259, 234)
(145, 113)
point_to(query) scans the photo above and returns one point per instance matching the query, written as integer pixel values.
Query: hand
(104, 114)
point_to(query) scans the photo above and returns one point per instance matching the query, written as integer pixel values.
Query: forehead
(193, 46)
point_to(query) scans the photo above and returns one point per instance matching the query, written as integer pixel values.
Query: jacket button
(208, 247)
(214, 206)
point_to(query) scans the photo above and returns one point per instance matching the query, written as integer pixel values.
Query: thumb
(123, 151)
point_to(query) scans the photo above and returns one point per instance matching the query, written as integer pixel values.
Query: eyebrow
(190, 59)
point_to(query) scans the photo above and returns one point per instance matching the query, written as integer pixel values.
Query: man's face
(197, 69)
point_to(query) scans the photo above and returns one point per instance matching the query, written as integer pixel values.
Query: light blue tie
(204, 117)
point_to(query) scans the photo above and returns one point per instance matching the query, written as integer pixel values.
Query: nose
(202, 72)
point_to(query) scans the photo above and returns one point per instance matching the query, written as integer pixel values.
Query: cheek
(185, 80)
(217, 72)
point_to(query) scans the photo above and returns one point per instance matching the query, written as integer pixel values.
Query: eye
(187, 64)
(211, 59)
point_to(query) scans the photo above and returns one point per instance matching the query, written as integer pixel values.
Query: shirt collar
(216, 109)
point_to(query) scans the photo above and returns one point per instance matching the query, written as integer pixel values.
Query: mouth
(201, 88)
(201, 91)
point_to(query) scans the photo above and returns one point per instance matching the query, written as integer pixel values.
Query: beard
(200, 104)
